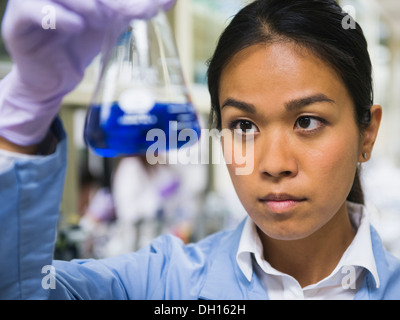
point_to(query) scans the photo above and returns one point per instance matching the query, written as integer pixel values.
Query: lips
(281, 202)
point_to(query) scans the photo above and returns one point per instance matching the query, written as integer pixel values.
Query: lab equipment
(141, 87)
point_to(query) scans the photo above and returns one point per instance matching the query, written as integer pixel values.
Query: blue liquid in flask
(126, 134)
(140, 89)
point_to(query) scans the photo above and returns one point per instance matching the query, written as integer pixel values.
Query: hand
(49, 63)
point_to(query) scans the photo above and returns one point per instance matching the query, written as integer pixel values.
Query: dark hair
(316, 25)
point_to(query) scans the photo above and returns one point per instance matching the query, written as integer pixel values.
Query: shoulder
(388, 269)
(393, 270)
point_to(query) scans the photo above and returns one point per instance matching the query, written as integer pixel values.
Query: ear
(370, 133)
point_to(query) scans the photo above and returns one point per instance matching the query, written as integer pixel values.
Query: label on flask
(136, 101)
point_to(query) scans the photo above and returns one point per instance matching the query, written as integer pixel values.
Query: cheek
(238, 154)
(332, 168)
(239, 159)
(245, 187)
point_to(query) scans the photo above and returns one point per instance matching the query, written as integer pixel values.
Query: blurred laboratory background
(112, 206)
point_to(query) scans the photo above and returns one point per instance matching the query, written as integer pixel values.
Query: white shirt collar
(358, 254)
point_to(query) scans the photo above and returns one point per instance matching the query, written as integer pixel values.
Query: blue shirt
(30, 196)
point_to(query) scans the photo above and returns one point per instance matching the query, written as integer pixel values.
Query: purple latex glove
(49, 63)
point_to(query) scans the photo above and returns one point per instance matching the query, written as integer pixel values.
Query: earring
(365, 156)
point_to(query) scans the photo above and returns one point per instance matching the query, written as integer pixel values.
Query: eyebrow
(246, 107)
(289, 106)
(303, 102)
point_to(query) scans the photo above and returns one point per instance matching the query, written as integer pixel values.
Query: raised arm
(51, 42)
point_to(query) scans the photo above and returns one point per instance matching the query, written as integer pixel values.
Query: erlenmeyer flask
(141, 87)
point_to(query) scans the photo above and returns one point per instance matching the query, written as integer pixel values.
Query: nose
(276, 158)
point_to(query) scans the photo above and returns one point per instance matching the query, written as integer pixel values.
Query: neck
(311, 259)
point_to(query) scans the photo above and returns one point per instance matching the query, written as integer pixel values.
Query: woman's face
(306, 140)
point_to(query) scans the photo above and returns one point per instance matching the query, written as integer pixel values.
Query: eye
(310, 124)
(243, 127)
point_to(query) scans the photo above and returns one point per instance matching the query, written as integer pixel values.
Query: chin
(285, 233)
(287, 237)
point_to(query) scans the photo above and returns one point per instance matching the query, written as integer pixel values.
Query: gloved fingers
(96, 10)
(70, 16)
(141, 9)
(97, 13)
(24, 16)
(90, 10)
(167, 4)
(131, 9)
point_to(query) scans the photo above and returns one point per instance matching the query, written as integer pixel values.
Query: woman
(286, 78)
(286, 74)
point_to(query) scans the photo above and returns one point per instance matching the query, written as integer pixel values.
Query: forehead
(279, 72)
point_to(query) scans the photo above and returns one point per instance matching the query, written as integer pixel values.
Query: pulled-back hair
(316, 25)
